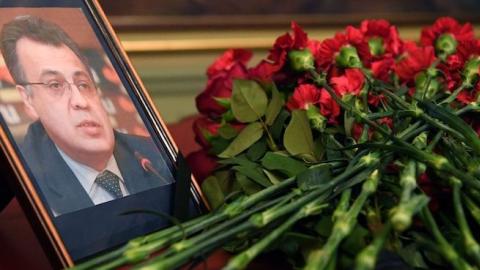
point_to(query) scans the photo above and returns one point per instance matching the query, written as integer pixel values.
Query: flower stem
(472, 207)
(367, 258)
(453, 95)
(444, 247)
(318, 259)
(241, 260)
(472, 248)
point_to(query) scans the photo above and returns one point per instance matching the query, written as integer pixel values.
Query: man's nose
(77, 100)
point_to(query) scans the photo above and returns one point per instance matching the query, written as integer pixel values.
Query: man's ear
(27, 102)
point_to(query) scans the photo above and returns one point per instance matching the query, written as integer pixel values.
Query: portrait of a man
(77, 158)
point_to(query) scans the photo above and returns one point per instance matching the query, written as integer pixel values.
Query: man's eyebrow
(49, 72)
(80, 73)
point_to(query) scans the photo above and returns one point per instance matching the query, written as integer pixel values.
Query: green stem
(444, 247)
(272, 143)
(342, 205)
(203, 247)
(318, 259)
(453, 95)
(241, 260)
(101, 259)
(472, 248)
(473, 208)
(367, 258)
(427, 118)
(186, 244)
(197, 245)
(434, 141)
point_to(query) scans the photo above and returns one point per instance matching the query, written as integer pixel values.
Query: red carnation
(469, 95)
(446, 25)
(392, 44)
(375, 99)
(228, 60)
(306, 95)
(328, 107)
(205, 129)
(287, 42)
(454, 65)
(416, 59)
(220, 83)
(303, 96)
(382, 69)
(350, 83)
(330, 48)
(298, 40)
(264, 71)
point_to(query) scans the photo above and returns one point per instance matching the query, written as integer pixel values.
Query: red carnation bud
(205, 129)
(348, 57)
(470, 71)
(376, 46)
(301, 60)
(445, 45)
(426, 86)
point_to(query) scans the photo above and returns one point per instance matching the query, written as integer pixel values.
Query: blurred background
(172, 42)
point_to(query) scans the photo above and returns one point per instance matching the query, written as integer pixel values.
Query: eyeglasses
(56, 88)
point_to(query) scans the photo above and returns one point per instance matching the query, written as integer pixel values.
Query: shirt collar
(87, 175)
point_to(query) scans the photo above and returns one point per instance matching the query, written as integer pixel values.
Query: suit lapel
(136, 178)
(62, 190)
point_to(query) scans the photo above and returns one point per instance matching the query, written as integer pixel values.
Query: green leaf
(348, 122)
(257, 150)
(274, 107)
(272, 177)
(241, 160)
(255, 174)
(314, 177)
(412, 256)
(455, 122)
(224, 180)
(249, 101)
(298, 138)
(248, 186)
(331, 147)
(319, 149)
(226, 131)
(224, 102)
(219, 144)
(277, 128)
(282, 163)
(213, 191)
(248, 136)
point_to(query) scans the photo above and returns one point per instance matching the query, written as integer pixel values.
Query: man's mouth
(90, 127)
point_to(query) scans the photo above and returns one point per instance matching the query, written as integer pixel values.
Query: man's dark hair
(38, 30)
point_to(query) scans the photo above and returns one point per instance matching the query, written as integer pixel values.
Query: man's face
(75, 121)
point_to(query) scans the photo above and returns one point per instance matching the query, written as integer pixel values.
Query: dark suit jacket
(61, 189)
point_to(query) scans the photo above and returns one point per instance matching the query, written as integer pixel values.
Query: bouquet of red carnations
(336, 151)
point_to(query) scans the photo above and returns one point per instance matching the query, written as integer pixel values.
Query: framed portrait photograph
(80, 133)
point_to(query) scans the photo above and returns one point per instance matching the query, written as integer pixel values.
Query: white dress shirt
(87, 176)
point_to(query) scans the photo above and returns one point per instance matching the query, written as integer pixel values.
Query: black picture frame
(77, 233)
